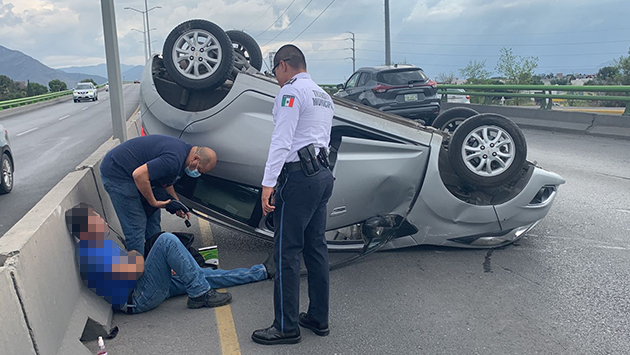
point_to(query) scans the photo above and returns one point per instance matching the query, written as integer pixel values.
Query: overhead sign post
(114, 74)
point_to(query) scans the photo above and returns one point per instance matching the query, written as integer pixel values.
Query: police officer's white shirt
(302, 114)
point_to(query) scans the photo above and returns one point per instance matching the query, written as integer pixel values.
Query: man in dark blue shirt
(135, 285)
(132, 169)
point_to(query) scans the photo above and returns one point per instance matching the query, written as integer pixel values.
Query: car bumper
(429, 111)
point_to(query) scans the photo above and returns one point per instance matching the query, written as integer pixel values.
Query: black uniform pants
(300, 222)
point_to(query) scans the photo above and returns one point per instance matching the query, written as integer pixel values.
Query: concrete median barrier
(45, 306)
(595, 124)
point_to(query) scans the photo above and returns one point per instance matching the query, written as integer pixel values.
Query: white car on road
(85, 91)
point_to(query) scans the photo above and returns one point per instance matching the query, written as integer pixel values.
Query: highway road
(562, 289)
(50, 142)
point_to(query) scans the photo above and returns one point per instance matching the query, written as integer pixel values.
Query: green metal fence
(33, 99)
(544, 92)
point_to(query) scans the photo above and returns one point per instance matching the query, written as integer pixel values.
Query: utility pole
(388, 48)
(354, 51)
(144, 41)
(114, 74)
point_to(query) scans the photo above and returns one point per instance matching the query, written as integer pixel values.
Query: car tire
(6, 174)
(449, 120)
(487, 150)
(247, 46)
(217, 63)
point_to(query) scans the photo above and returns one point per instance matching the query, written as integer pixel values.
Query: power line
(279, 17)
(263, 14)
(293, 21)
(309, 25)
(499, 45)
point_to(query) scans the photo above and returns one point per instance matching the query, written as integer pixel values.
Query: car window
(352, 82)
(363, 79)
(84, 86)
(401, 77)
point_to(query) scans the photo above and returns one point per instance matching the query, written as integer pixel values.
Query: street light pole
(144, 41)
(388, 49)
(114, 74)
(146, 13)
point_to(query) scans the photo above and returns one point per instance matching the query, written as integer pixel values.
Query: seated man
(135, 285)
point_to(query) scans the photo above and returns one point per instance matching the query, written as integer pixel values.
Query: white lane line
(85, 108)
(96, 103)
(25, 132)
(64, 117)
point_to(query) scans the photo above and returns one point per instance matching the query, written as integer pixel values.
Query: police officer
(297, 167)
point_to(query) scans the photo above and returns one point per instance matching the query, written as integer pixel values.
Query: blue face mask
(192, 173)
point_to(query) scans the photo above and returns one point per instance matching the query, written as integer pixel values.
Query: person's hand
(181, 214)
(160, 204)
(267, 201)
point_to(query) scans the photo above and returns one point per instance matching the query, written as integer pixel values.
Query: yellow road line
(225, 320)
(227, 330)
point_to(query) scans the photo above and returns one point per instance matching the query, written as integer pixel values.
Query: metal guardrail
(546, 93)
(32, 99)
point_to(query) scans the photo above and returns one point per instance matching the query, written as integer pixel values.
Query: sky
(440, 36)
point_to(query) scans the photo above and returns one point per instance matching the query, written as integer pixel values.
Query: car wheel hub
(197, 54)
(7, 173)
(488, 151)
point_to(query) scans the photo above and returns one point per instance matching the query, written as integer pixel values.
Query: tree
(475, 72)
(34, 89)
(517, 69)
(445, 78)
(90, 80)
(57, 85)
(10, 89)
(623, 66)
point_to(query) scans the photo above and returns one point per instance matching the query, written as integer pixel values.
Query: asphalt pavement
(50, 142)
(562, 289)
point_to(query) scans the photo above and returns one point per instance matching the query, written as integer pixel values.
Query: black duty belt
(293, 167)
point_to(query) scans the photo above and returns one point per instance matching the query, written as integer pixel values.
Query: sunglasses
(273, 70)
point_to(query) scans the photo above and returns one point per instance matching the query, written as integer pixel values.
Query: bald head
(203, 159)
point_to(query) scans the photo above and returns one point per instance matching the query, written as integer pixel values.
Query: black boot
(320, 329)
(210, 299)
(270, 266)
(272, 336)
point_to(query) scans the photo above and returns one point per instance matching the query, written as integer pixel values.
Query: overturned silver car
(398, 183)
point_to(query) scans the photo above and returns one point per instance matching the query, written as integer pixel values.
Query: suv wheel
(6, 175)
(449, 120)
(487, 150)
(198, 55)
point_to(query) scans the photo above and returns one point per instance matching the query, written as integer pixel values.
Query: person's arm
(130, 266)
(171, 191)
(141, 178)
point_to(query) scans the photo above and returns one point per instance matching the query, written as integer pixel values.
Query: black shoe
(270, 266)
(320, 329)
(210, 299)
(272, 336)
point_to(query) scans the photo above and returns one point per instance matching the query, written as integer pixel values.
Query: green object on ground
(210, 255)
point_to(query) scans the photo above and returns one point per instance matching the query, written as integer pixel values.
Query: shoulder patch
(291, 81)
(287, 101)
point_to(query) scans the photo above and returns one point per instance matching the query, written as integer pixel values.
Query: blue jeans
(127, 202)
(157, 284)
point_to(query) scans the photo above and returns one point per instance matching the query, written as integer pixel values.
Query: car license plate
(411, 97)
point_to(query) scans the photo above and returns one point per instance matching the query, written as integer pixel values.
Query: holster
(309, 160)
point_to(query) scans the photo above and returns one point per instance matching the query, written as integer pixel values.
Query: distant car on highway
(404, 90)
(106, 86)
(136, 81)
(85, 91)
(458, 99)
(6, 162)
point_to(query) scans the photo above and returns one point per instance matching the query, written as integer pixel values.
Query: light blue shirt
(302, 114)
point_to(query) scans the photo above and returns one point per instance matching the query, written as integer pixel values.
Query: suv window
(401, 77)
(352, 82)
(84, 86)
(365, 77)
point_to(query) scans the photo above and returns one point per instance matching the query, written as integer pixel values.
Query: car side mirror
(340, 87)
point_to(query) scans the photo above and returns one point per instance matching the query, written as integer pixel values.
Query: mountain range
(22, 67)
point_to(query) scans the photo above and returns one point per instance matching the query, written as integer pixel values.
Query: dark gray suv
(6, 163)
(401, 89)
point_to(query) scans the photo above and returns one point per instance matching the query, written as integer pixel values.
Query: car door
(350, 87)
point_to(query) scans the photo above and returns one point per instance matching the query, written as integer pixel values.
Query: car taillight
(380, 88)
(432, 84)
(467, 97)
